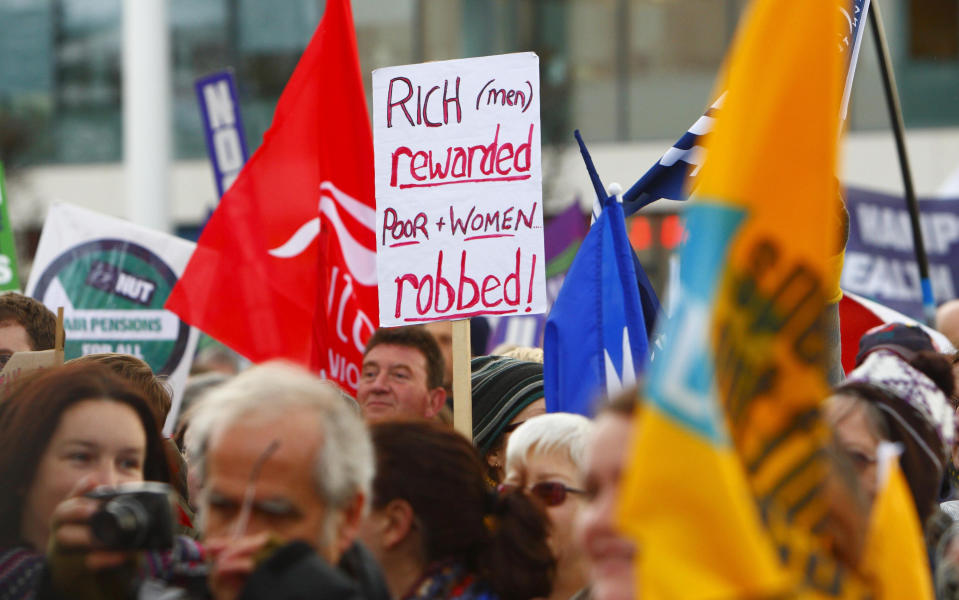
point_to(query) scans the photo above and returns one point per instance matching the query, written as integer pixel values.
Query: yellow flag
(725, 491)
(895, 560)
(772, 158)
(689, 506)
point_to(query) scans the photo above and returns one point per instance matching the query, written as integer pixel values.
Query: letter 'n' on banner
(225, 142)
(459, 215)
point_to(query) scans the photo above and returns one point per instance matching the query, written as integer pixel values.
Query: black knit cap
(904, 340)
(502, 387)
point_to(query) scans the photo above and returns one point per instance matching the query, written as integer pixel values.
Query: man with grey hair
(282, 462)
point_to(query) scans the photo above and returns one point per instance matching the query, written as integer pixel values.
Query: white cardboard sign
(24, 363)
(112, 278)
(459, 209)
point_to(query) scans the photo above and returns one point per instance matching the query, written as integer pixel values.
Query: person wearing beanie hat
(886, 398)
(506, 392)
(897, 377)
(902, 340)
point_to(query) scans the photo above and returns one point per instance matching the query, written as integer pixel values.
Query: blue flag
(648, 300)
(225, 141)
(673, 175)
(647, 295)
(595, 341)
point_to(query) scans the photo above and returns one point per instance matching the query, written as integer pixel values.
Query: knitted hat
(502, 387)
(885, 369)
(923, 457)
(899, 338)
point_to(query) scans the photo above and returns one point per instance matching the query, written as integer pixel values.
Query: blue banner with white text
(880, 258)
(225, 141)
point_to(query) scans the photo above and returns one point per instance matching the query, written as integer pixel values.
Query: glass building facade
(619, 70)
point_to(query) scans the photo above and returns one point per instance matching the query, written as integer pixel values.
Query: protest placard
(459, 216)
(24, 363)
(112, 278)
(223, 129)
(880, 261)
(562, 236)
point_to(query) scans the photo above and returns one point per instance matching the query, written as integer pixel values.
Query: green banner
(9, 279)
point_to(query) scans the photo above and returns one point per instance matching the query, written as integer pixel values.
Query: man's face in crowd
(286, 503)
(13, 338)
(394, 384)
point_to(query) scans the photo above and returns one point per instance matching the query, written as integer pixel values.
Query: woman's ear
(496, 463)
(496, 458)
(399, 522)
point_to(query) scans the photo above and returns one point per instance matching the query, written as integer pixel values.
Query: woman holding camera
(64, 432)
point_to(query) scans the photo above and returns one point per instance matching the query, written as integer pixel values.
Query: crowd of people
(278, 484)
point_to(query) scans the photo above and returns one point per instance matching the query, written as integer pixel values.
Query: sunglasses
(550, 493)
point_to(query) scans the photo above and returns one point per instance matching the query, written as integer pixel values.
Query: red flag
(286, 266)
(857, 315)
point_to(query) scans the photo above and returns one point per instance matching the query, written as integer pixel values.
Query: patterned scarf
(20, 570)
(448, 580)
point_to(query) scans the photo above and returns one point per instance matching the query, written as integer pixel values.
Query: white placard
(459, 209)
(112, 278)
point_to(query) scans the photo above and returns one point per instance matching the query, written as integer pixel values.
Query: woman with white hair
(545, 457)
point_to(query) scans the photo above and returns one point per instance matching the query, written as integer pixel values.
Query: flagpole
(58, 339)
(593, 177)
(895, 115)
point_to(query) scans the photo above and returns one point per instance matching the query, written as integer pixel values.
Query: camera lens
(121, 523)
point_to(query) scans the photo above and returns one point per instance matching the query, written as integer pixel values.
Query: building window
(934, 29)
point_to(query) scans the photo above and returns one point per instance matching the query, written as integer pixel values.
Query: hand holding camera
(134, 516)
(107, 523)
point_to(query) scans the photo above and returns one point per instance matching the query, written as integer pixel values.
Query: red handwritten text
(496, 221)
(471, 290)
(403, 85)
(495, 161)
(399, 229)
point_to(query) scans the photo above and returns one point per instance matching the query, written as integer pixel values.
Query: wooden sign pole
(462, 386)
(58, 343)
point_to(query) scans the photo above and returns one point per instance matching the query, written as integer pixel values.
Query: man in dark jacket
(285, 465)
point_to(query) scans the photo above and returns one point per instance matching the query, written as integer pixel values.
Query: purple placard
(566, 229)
(225, 142)
(880, 261)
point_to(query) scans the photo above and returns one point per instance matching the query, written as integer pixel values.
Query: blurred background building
(632, 75)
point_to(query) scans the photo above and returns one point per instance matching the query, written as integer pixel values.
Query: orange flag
(730, 490)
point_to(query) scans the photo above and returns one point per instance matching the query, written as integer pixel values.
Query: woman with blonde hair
(545, 458)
